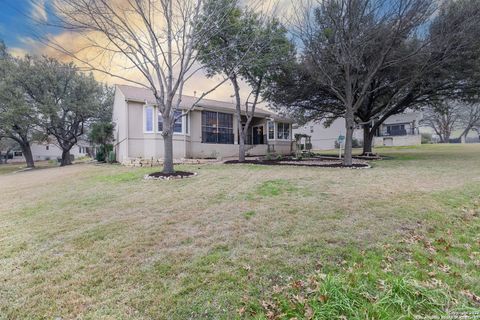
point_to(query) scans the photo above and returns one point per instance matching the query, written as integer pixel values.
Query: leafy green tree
(101, 133)
(65, 99)
(243, 46)
(18, 120)
(6, 146)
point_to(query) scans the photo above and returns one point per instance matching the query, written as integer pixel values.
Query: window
(17, 154)
(177, 127)
(47, 147)
(148, 119)
(271, 130)
(283, 131)
(217, 127)
(396, 130)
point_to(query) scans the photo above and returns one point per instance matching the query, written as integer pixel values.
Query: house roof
(142, 95)
(406, 117)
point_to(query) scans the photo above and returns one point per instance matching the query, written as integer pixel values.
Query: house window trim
(233, 127)
(289, 131)
(274, 131)
(145, 107)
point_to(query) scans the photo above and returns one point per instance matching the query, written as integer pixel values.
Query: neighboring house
(50, 151)
(397, 130)
(16, 155)
(208, 131)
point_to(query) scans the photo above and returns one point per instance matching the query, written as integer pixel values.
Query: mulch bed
(314, 162)
(359, 157)
(169, 176)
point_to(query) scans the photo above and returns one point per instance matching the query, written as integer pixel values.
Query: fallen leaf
(300, 299)
(471, 295)
(309, 313)
(241, 311)
(297, 284)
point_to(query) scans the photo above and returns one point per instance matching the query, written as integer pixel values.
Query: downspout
(127, 138)
(291, 137)
(187, 125)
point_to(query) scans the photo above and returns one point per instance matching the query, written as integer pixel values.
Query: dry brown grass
(100, 242)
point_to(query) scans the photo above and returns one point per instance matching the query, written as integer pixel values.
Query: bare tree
(470, 119)
(443, 118)
(348, 42)
(157, 38)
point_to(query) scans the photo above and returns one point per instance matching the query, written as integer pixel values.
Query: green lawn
(241, 241)
(16, 167)
(11, 167)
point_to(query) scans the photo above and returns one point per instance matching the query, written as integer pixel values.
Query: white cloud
(39, 11)
(17, 52)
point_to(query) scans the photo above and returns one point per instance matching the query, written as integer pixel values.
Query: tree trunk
(241, 147)
(27, 153)
(241, 131)
(168, 153)
(66, 160)
(367, 139)
(446, 138)
(464, 135)
(349, 124)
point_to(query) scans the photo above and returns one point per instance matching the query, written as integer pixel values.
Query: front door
(258, 135)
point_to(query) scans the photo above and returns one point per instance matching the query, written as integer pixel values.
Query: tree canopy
(365, 60)
(65, 100)
(244, 46)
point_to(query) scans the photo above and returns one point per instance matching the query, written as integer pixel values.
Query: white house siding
(46, 151)
(324, 138)
(49, 151)
(398, 141)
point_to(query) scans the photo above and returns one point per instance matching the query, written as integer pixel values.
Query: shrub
(426, 138)
(270, 156)
(102, 154)
(111, 157)
(355, 144)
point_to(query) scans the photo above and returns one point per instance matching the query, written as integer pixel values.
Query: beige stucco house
(208, 131)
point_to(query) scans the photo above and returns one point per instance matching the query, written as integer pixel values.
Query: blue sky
(18, 19)
(14, 21)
